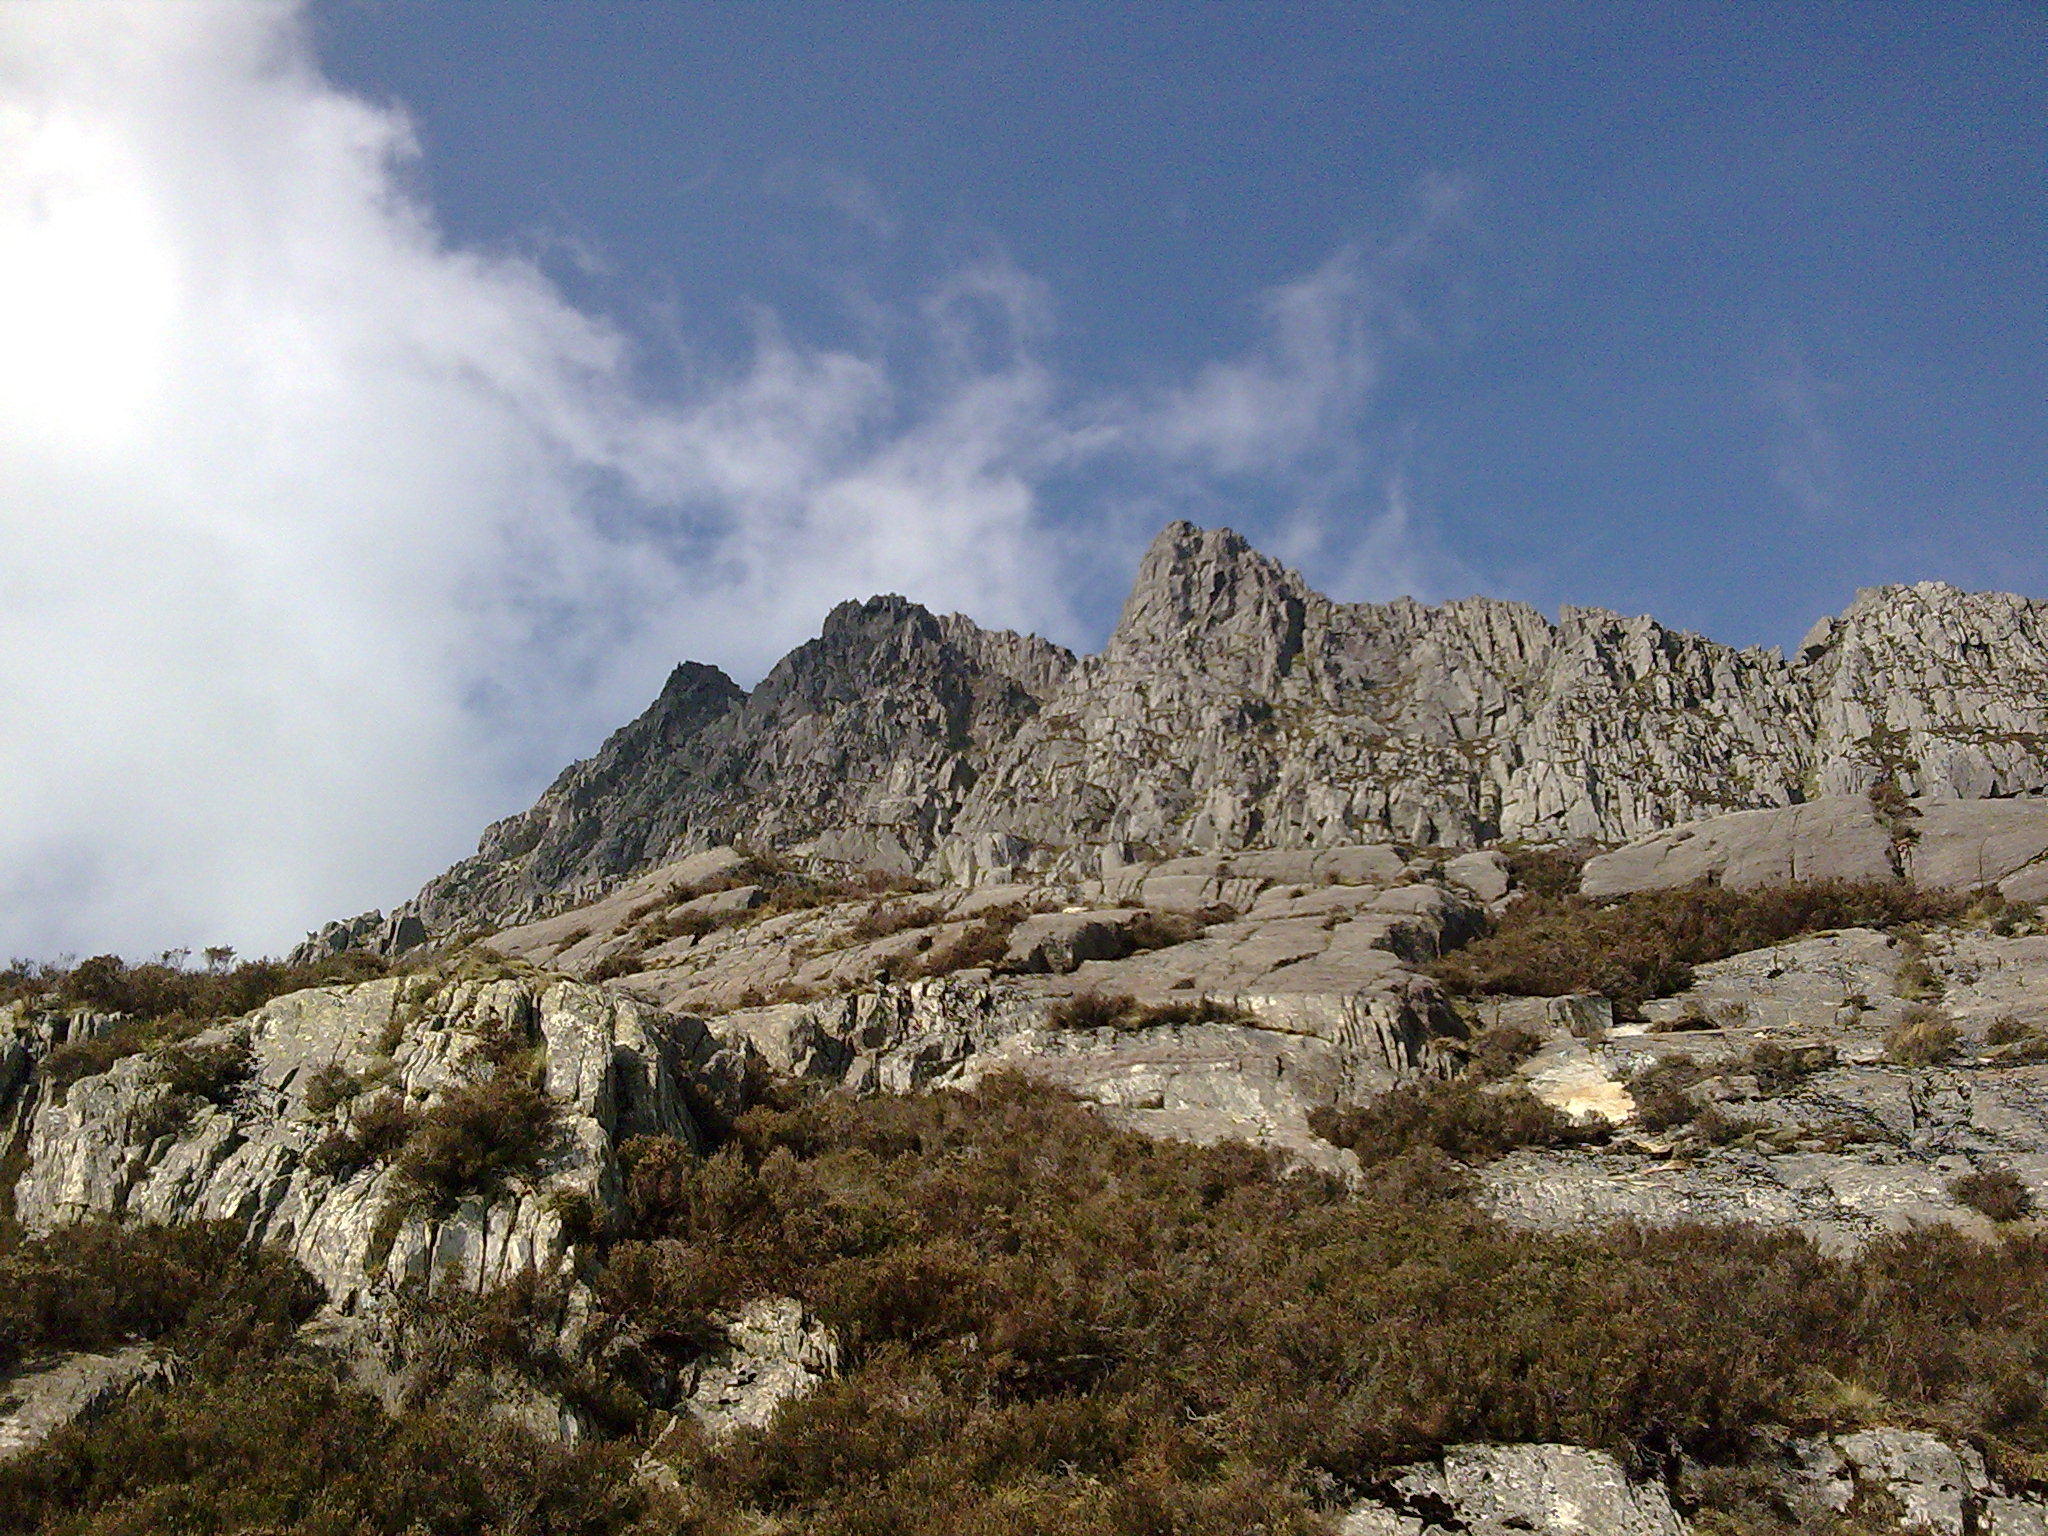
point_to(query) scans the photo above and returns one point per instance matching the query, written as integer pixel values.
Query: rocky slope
(1235, 708)
(1207, 997)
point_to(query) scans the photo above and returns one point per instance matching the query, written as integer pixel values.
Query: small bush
(1495, 1053)
(1205, 1010)
(1163, 930)
(984, 943)
(76, 1060)
(1460, 1118)
(99, 1285)
(328, 1087)
(1916, 980)
(209, 1070)
(476, 1138)
(1092, 1010)
(677, 925)
(1921, 1039)
(882, 920)
(1662, 1093)
(1995, 1192)
(1547, 872)
(376, 1132)
(2007, 1030)
(1781, 1068)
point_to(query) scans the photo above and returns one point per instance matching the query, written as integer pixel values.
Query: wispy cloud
(1806, 460)
(324, 540)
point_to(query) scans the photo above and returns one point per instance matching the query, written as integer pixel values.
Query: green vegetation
(475, 1138)
(377, 1130)
(1645, 945)
(97, 1285)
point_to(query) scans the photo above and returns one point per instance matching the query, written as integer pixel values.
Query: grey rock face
(1953, 844)
(115, 1145)
(857, 746)
(1492, 1490)
(771, 1351)
(36, 1403)
(1234, 708)
(373, 931)
(1857, 1146)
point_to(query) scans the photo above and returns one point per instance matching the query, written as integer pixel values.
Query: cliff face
(1234, 707)
(862, 741)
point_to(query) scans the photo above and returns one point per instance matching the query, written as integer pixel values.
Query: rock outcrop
(250, 1121)
(1962, 845)
(1235, 708)
(50, 1394)
(858, 745)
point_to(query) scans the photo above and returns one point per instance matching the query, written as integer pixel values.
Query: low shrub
(1163, 930)
(1662, 1093)
(329, 1087)
(985, 942)
(2008, 1030)
(99, 1284)
(1995, 1192)
(1494, 1053)
(477, 1137)
(623, 961)
(377, 1131)
(76, 1060)
(1915, 980)
(209, 1070)
(1921, 1038)
(1048, 1324)
(884, 919)
(153, 989)
(1547, 872)
(163, 1004)
(1462, 1118)
(1780, 1068)
(1093, 1010)
(1645, 945)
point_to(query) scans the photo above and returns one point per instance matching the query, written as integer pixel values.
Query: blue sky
(1729, 309)
(392, 392)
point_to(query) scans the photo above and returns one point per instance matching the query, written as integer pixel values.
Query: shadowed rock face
(1235, 708)
(861, 741)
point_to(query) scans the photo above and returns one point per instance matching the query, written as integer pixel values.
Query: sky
(392, 392)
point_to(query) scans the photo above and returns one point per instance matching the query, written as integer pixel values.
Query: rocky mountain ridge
(1236, 708)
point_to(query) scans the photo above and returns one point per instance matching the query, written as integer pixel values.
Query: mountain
(1234, 707)
(1293, 1170)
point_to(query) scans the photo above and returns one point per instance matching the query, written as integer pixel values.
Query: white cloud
(322, 540)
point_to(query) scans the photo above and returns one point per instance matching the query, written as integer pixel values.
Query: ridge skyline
(1233, 706)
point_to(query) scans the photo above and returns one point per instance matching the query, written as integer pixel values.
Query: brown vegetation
(478, 1136)
(1464, 1118)
(1047, 1325)
(1094, 1010)
(1994, 1192)
(1921, 1038)
(1645, 945)
(162, 1004)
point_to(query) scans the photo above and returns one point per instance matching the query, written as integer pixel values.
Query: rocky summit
(1234, 708)
(1311, 1067)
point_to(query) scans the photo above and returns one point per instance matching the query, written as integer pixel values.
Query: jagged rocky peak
(1235, 707)
(1938, 691)
(856, 747)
